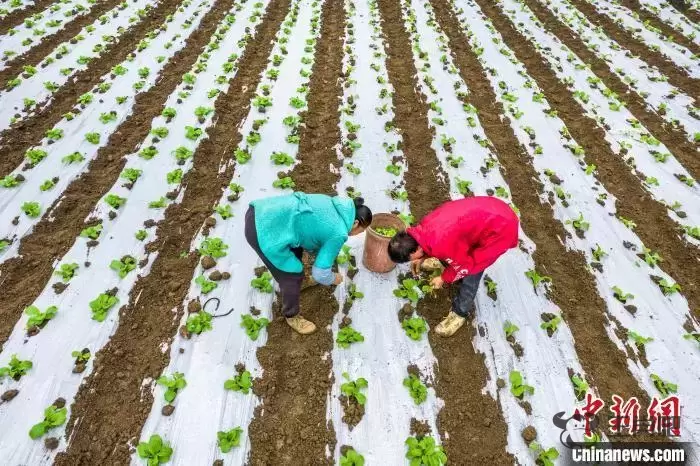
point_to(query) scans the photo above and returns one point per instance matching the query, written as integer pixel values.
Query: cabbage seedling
(172, 384)
(67, 271)
(229, 439)
(253, 326)
(425, 451)
(15, 368)
(348, 335)
(214, 247)
(353, 388)
(414, 327)
(92, 232)
(53, 417)
(544, 457)
(668, 288)
(240, 383)
(352, 458)
(115, 201)
(551, 325)
(518, 387)
(123, 266)
(155, 451)
(36, 318)
(663, 386)
(580, 386)
(199, 322)
(416, 388)
(621, 295)
(101, 305)
(536, 278)
(207, 285)
(31, 209)
(509, 328)
(638, 339)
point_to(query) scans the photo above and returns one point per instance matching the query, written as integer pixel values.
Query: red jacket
(468, 234)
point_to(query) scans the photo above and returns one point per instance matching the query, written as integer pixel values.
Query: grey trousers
(464, 298)
(289, 283)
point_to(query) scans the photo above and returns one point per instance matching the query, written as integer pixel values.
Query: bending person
(280, 228)
(466, 236)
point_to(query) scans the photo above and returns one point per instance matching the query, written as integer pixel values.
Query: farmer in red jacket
(466, 236)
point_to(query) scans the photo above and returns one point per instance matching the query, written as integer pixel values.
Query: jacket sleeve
(328, 252)
(482, 257)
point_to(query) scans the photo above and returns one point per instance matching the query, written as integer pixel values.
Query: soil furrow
(471, 424)
(693, 15)
(103, 419)
(654, 227)
(30, 131)
(676, 75)
(37, 53)
(668, 31)
(17, 17)
(573, 287)
(296, 379)
(676, 140)
(26, 275)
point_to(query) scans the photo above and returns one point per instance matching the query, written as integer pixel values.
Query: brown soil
(668, 31)
(17, 17)
(44, 47)
(461, 373)
(419, 428)
(290, 425)
(406, 312)
(677, 76)
(675, 140)
(28, 273)
(352, 411)
(693, 15)
(109, 417)
(30, 132)
(573, 288)
(654, 227)
(529, 434)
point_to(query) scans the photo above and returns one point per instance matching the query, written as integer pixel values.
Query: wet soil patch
(44, 47)
(290, 425)
(112, 409)
(573, 288)
(461, 373)
(675, 139)
(27, 274)
(30, 131)
(677, 76)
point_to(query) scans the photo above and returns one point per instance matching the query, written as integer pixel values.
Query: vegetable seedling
(281, 158)
(214, 247)
(353, 388)
(81, 357)
(284, 183)
(67, 271)
(53, 417)
(173, 385)
(551, 325)
(668, 288)
(263, 283)
(663, 386)
(544, 457)
(31, 209)
(510, 328)
(155, 451)
(36, 318)
(536, 278)
(101, 305)
(621, 295)
(199, 322)
(518, 387)
(416, 388)
(253, 326)
(206, 285)
(352, 458)
(425, 451)
(123, 266)
(240, 383)
(580, 386)
(229, 439)
(638, 339)
(348, 335)
(412, 290)
(414, 327)
(15, 368)
(115, 201)
(388, 232)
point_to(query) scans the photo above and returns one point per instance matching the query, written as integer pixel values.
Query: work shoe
(450, 325)
(301, 325)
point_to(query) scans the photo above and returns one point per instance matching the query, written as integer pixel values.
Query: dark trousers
(289, 283)
(464, 298)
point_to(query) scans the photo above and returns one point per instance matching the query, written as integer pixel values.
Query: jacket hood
(419, 234)
(346, 209)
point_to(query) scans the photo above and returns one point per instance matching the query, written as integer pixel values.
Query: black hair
(401, 246)
(363, 214)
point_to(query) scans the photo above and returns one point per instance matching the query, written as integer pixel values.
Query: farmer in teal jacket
(280, 228)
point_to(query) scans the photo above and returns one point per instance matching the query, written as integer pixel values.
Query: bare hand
(338, 279)
(415, 267)
(437, 282)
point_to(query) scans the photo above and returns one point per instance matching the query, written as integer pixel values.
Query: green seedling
(242, 382)
(638, 339)
(115, 201)
(544, 457)
(174, 177)
(510, 328)
(464, 187)
(416, 388)
(626, 222)
(206, 285)
(353, 388)
(598, 253)
(414, 327)
(651, 258)
(394, 169)
(199, 322)
(580, 224)
(15, 368)
(424, 451)
(31, 209)
(491, 286)
(412, 289)
(344, 256)
(263, 283)
(123, 266)
(551, 325)
(141, 235)
(284, 183)
(182, 153)
(214, 247)
(668, 288)
(518, 387)
(93, 138)
(663, 386)
(224, 211)
(253, 326)
(352, 458)
(388, 232)
(347, 336)
(580, 386)
(695, 336)
(155, 451)
(172, 385)
(11, 181)
(66, 271)
(92, 232)
(53, 417)
(192, 133)
(131, 174)
(101, 305)
(621, 295)
(281, 158)
(81, 357)
(536, 278)
(229, 439)
(36, 318)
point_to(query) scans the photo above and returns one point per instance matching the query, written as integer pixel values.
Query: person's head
(363, 217)
(403, 248)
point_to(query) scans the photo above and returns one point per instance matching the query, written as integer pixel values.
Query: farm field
(137, 327)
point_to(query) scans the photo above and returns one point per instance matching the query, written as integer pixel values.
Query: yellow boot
(301, 325)
(450, 325)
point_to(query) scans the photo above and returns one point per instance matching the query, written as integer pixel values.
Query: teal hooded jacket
(314, 222)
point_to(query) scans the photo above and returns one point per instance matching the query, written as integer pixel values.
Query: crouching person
(280, 228)
(466, 236)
